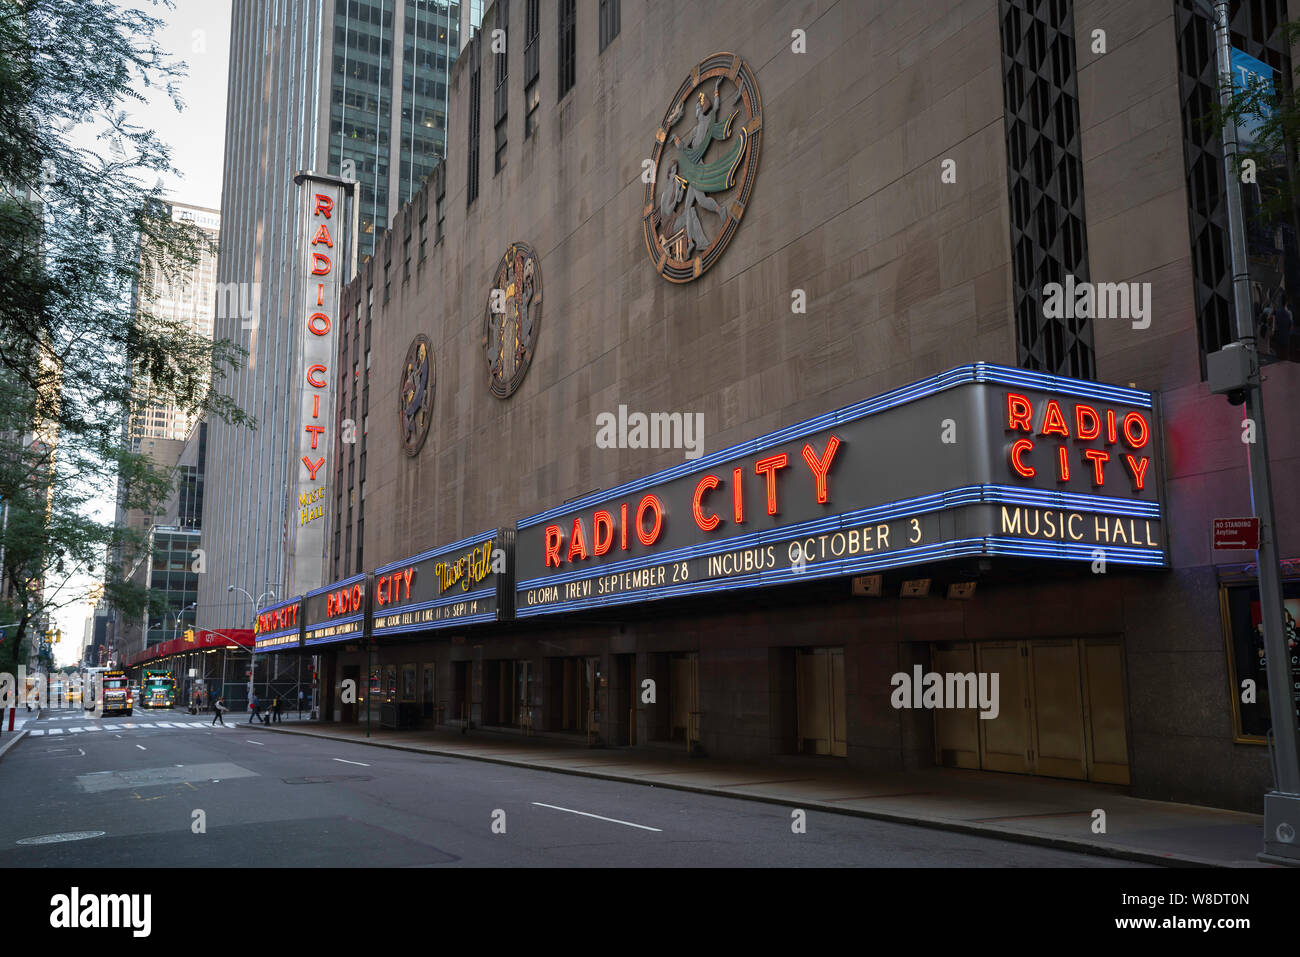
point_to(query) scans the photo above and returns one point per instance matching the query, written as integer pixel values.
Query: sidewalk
(22, 717)
(1031, 810)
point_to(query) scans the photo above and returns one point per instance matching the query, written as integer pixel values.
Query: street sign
(1236, 533)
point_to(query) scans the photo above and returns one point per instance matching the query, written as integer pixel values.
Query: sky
(198, 32)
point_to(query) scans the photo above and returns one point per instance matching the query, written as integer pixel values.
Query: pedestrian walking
(254, 709)
(217, 709)
(275, 711)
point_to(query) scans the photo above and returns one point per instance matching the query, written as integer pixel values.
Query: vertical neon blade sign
(319, 257)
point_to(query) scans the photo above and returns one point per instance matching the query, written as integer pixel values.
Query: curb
(14, 738)
(1161, 859)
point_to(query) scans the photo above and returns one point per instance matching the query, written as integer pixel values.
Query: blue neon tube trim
(973, 373)
(430, 553)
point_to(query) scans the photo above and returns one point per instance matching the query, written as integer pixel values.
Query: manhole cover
(61, 838)
(328, 779)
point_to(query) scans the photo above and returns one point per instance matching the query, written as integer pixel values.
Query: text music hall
(859, 446)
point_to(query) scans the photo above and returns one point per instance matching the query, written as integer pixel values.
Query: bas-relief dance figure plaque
(707, 165)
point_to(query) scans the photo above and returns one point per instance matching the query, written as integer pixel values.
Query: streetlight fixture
(257, 603)
(1234, 371)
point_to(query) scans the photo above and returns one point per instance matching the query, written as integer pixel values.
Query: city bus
(158, 689)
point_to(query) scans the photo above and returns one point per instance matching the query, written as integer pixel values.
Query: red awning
(203, 639)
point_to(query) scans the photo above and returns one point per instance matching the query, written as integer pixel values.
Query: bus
(158, 690)
(114, 691)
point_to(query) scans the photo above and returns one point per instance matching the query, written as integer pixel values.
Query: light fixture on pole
(1234, 371)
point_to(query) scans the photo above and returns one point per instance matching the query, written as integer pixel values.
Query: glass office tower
(344, 87)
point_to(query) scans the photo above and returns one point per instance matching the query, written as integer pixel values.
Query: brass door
(681, 695)
(819, 696)
(1103, 689)
(1005, 740)
(956, 731)
(1057, 707)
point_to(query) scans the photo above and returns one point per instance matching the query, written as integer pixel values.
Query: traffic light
(58, 635)
(189, 634)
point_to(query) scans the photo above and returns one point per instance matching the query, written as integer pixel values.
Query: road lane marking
(56, 731)
(60, 838)
(345, 761)
(258, 743)
(142, 747)
(612, 820)
(82, 753)
(37, 734)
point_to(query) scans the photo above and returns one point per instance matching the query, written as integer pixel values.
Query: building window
(471, 192)
(440, 202)
(568, 45)
(532, 31)
(608, 22)
(1045, 180)
(1239, 603)
(532, 100)
(500, 98)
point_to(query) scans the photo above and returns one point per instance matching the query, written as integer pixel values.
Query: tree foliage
(81, 242)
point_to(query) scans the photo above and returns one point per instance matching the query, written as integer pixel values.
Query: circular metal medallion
(705, 160)
(513, 319)
(415, 400)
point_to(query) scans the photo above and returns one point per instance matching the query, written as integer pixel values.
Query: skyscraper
(349, 88)
(190, 300)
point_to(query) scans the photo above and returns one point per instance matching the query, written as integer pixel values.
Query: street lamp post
(1235, 371)
(257, 603)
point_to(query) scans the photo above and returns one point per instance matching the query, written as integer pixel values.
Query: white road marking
(37, 734)
(164, 724)
(128, 724)
(56, 730)
(82, 753)
(596, 816)
(344, 761)
(142, 747)
(75, 730)
(258, 743)
(60, 838)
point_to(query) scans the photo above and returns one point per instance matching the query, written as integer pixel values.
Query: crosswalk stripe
(37, 733)
(56, 730)
(164, 724)
(93, 727)
(75, 730)
(144, 726)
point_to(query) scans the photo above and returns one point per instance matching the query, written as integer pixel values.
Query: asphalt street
(133, 791)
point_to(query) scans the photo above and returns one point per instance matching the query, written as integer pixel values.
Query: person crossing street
(217, 710)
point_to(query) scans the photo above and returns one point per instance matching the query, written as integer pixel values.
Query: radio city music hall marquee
(277, 627)
(981, 460)
(335, 612)
(457, 584)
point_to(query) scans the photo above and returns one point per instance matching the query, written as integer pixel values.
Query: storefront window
(1246, 660)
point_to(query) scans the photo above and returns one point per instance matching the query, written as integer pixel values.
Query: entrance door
(819, 696)
(1057, 699)
(956, 730)
(460, 692)
(1060, 709)
(1103, 694)
(426, 693)
(351, 673)
(523, 694)
(623, 710)
(683, 697)
(1004, 740)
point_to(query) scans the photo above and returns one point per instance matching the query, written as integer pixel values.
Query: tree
(80, 238)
